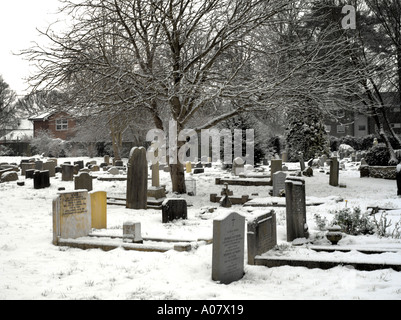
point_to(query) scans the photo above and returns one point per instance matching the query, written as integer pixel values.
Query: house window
(340, 129)
(362, 128)
(61, 125)
(396, 125)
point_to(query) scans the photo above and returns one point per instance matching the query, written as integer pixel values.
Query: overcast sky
(18, 22)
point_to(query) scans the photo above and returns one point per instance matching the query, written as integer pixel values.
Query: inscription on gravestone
(71, 215)
(228, 248)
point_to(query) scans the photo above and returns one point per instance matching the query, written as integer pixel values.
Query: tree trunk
(177, 174)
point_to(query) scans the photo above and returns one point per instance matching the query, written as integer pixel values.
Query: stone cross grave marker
(71, 215)
(137, 179)
(225, 201)
(228, 248)
(261, 235)
(278, 183)
(295, 208)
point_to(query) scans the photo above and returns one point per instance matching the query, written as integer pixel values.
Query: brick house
(60, 124)
(348, 122)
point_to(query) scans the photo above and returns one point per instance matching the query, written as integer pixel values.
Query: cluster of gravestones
(229, 234)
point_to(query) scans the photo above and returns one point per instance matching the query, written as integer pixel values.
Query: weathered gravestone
(29, 173)
(275, 166)
(41, 179)
(301, 161)
(51, 167)
(334, 172)
(67, 172)
(278, 183)
(71, 215)
(398, 178)
(137, 179)
(83, 181)
(228, 248)
(26, 166)
(238, 166)
(261, 235)
(80, 164)
(98, 209)
(174, 209)
(132, 232)
(295, 208)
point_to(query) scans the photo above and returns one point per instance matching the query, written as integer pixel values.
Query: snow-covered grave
(32, 267)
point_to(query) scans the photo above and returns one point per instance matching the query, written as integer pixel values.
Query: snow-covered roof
(43, 116)
(18, 135)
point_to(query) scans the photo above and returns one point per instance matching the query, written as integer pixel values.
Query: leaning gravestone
(137, 179)
(295, 208)
(261, 235)
(83, 181)
(278, 183)
(71, 215)
(174, 209)
(228, 248)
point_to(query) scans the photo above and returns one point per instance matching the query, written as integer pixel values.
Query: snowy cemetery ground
(31, 267)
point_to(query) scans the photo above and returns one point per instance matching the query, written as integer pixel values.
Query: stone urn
(334, 234)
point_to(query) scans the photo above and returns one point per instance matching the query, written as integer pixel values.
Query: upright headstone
(106, 159)
(155, 173)
(334, 172)
(398, 178)
(51, 167)
(99, 209)
(278, 182)
(80, 164)
(228, 248)
(132, 232)
(174, 209)
(83, 181)
(284, 156)
(67, 172)
(301, 161)
(275, 166)
(137, 179)
(238, 166)
(261, 235)
(295, 208)
(71, 215)
(41, 179)
(39, 165)
(26, 166)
